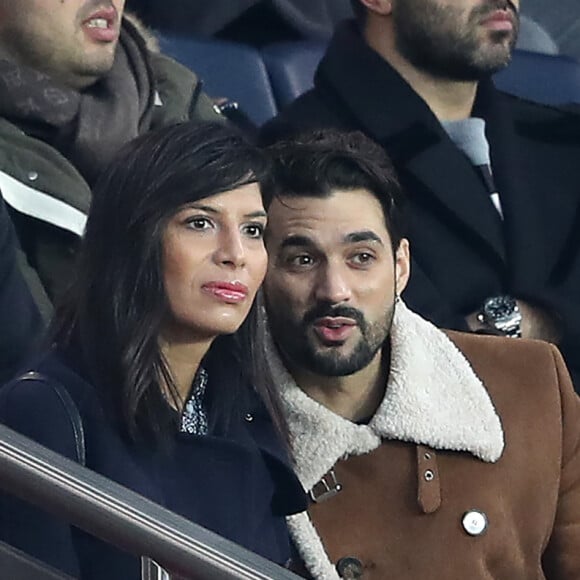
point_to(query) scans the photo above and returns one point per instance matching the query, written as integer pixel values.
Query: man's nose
(231, 250)
(333, 285)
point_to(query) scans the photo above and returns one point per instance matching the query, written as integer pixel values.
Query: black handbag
(69, 406)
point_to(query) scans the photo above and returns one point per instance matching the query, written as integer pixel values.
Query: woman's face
(214, 261)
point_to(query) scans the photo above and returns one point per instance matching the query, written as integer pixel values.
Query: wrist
(501, 315)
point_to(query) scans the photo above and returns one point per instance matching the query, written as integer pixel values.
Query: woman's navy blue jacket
(237, 485)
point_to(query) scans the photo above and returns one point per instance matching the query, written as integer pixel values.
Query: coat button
(32, 175)
(349, 568)
(474, 522)
(249, 417)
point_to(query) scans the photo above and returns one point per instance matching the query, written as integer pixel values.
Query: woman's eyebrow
(210, 209)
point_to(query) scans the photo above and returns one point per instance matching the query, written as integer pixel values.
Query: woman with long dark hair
(153, 352)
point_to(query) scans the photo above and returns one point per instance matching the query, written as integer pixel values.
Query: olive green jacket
(50, 199)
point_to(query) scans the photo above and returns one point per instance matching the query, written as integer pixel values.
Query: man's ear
(402, 266)
(381, 7)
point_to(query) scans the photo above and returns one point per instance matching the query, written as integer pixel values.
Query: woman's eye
(199, 223)
(254, 231)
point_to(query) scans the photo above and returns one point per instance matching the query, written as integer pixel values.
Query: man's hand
(536, 323)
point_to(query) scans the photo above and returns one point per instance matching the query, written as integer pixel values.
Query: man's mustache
(323, 310)
(91, 6)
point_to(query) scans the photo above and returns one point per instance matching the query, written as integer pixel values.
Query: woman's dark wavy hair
(116, 306)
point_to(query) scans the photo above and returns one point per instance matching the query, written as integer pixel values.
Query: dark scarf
(87, 127)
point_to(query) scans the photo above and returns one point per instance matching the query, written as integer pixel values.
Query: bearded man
(426, 454)
(493, 181)
(78, 80)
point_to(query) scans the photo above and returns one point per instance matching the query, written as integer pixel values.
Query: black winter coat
(462, 251)
(235, 482)
(20, 320)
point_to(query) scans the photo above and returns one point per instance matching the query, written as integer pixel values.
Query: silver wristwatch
(501, 313)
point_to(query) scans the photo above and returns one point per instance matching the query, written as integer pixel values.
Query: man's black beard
(430, 39)
(297, 346)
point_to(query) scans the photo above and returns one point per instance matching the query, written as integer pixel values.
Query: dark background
(261, 21)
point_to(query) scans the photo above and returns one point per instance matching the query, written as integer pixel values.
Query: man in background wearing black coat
(493, 181)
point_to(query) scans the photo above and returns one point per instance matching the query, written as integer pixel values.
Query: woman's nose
(231, 249)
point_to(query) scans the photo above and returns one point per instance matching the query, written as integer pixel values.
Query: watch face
(499, 307)
(502, 314)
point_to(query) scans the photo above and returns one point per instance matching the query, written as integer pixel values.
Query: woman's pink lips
(227, 291)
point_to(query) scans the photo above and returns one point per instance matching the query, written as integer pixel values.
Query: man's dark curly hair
(317, 163)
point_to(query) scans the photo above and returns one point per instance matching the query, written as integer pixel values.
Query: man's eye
(362, 259)
(199, 223)
(301, 260)
(255, 231)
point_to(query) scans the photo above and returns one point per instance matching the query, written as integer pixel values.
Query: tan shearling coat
(469, 425)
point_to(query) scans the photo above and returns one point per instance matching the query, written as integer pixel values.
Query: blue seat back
(547, 79)
(234, 71)
(534, 37)
(291, 66)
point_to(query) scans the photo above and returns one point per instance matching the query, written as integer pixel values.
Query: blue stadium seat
(234, 71)
(535, 38)
(291, 66)
(548, 79)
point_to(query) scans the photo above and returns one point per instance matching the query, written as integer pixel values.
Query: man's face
(456, 39)
(331, 281)
(72, 40)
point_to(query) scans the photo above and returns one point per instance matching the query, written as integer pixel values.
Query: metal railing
(17, 565)
(123, 518)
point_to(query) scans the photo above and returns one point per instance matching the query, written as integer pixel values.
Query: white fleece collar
(433, 398)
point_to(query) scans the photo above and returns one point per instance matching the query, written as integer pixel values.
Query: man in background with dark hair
(426, 454)
(493, 181)
(78, 80)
